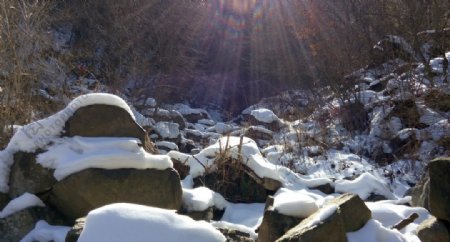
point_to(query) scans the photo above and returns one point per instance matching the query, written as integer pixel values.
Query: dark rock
(402, 147)
(408, 113)
(84, 191)
(28, 176)
(235, 235)
(4, 199)
(195, 117)
(432, 191)
(354, 211)
(432, 230)
(325, 188)
(419, 193)
(258, 133)
(181, 167)
(75, 232)
(237, 183)
(274, 225)
(14, 227)
(206, 215)
(390, 48)
(375, 197)
(439, 195)
(249, 120)
(106, 121)
(330, 229)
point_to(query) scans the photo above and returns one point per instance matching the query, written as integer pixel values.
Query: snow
(70, 155)
(390, 214)
(248, 153)
(264, 115)
(22, 202)
(202, 198)
(38, 134)
(373, 231)
(168, 130)
(43, 232)
(249, 215)
(186, 110)
(322, 215)
(364, 185)
(167, 144)
(136, 223)
(294, 203)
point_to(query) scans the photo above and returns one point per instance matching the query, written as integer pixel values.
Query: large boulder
(28, 176)
(324, 225)
(101, 120)
(14, 227)
(439, 196)
(432, 230)
(274, 224)
(432, 190)
(84, 191)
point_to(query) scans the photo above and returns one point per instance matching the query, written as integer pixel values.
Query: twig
(405, 222)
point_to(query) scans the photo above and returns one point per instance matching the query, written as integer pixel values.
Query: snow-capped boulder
(258, 133)
(28, 176)
(354, 212)
(274, 224)
(263, 117)
(324, 225)
(101, 120)
(432, 230)
(136, 223)
(84, 191)
(20, 216)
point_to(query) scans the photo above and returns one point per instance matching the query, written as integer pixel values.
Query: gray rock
(106, 121)
(439, 196)
(84, 191)
(354, 211)
(28, 176)
(432, 230)
(274, 225)
(14, 227)
(330, 229)
(75, 232)
(235, 235)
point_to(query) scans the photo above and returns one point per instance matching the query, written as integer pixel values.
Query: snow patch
(20, 203)
(43, 232)
(70, 155)
(136, 223)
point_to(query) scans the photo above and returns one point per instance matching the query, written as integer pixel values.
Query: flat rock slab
(330, 229)
(84, 191)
